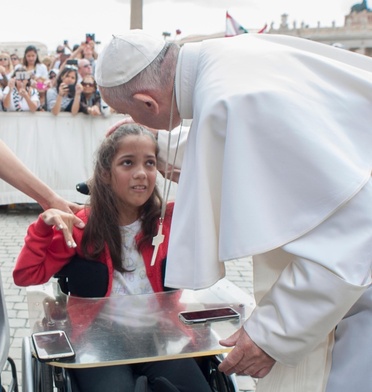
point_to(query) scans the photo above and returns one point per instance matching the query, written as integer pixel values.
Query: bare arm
(14, 172)
(76, 103)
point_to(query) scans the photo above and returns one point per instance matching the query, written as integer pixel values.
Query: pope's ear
(147, 102)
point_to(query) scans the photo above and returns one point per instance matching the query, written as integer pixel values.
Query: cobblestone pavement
(13, 226)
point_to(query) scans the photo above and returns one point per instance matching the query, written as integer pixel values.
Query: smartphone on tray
(52, 346)
(205, 315)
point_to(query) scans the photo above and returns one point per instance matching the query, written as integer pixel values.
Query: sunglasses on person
(87, 84)
(14, 58)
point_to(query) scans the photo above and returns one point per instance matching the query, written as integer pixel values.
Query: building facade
(355, 35)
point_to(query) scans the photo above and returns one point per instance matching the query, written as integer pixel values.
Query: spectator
(3, 77)
(65, 95)
(19, 95)
(6, 63)
(59, 58)
(15, 61)
(47, 61)
(32, 63)
(84, 69)
(86, 51)
(53, 76)
(90, 99)
(42, 86)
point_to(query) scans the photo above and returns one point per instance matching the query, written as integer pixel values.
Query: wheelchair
(5, 343)
(41, 377)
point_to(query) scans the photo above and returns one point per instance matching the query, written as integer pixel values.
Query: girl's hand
(62, 221)
(11, 83)
(78, 89)
(23, 92)
(63, 89)
(94, 110)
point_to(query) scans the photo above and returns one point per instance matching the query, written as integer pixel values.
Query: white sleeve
(177, 134)
(329, 271)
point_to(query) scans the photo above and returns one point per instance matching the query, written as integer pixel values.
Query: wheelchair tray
(136, 328)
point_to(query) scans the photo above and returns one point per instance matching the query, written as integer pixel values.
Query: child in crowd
(121, 220)
(19, 95)
(64, 96)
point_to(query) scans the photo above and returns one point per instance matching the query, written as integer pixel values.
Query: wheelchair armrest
(27, 366)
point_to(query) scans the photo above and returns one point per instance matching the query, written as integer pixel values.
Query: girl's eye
(151, 162)
(127, 162)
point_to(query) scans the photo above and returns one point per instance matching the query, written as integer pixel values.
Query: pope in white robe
(277, 165)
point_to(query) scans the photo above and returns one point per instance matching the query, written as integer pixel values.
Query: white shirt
(22, 103)
(135, 280)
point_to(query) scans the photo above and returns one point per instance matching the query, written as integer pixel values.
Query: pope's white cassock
(278, 165)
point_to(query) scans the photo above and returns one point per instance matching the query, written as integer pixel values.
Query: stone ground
(13, 225)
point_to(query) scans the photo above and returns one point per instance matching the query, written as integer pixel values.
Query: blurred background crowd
(63, 82)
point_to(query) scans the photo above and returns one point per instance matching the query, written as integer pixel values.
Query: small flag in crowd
(262, 30)
(233, 27)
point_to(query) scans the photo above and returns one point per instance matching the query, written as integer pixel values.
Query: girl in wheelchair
(120, 222)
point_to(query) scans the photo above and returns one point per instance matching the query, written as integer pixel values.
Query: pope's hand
(246, 358)
(113, 128)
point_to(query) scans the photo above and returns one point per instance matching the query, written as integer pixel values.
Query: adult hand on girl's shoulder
(63, 221)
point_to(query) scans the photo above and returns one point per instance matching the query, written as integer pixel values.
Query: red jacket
(45, 253)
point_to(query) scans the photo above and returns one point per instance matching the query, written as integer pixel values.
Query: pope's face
(138, 110)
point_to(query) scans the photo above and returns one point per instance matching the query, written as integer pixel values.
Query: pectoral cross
(156, 241)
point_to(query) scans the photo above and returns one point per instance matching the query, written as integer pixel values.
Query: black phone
(71, 90)
(72, 62)
(52, 346)
(202, 316)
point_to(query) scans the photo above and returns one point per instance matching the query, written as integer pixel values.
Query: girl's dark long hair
(103, 223)
(31, 48)
(66, 70)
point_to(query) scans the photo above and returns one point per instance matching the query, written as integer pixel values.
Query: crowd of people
(63, 82)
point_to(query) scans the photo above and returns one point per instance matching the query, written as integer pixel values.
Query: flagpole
(136, 14)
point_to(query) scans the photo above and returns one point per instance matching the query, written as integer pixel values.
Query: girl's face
(133, 173)
(31, 58)
(4, 60)
(69, 78)
(20, 84)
